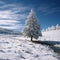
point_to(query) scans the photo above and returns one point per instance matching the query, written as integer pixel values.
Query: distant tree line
(56, 27)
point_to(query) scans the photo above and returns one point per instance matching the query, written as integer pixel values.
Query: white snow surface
(21, 48)
(53, 35)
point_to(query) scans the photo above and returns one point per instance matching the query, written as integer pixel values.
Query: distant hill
(7, 31)
(52, 35)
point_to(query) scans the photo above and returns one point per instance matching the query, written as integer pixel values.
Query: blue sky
(13, 13)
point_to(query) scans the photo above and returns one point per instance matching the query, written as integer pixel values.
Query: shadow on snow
(51, 44)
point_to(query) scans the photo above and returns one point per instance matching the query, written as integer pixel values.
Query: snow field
(20, 48)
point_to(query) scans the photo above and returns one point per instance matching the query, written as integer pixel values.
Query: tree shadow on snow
(51, 44)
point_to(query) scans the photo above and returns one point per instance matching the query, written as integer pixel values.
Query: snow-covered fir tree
(53, 28)
(32, 28)
(57, 27)
(48, 29)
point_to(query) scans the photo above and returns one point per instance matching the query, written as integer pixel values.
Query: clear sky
(13, 13)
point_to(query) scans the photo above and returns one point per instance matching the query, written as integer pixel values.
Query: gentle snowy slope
(20, 48)
(53, 35)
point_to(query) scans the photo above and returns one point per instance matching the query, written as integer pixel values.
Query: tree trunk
(31, 38)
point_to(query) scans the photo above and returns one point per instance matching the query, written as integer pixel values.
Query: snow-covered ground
(21, 48)
(53, 35)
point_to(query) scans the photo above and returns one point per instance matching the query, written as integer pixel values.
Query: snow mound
(53, 35)
(20, 48)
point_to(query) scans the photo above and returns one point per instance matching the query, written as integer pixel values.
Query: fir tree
(32, 28)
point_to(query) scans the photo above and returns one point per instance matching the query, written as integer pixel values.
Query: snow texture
(21, 48)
